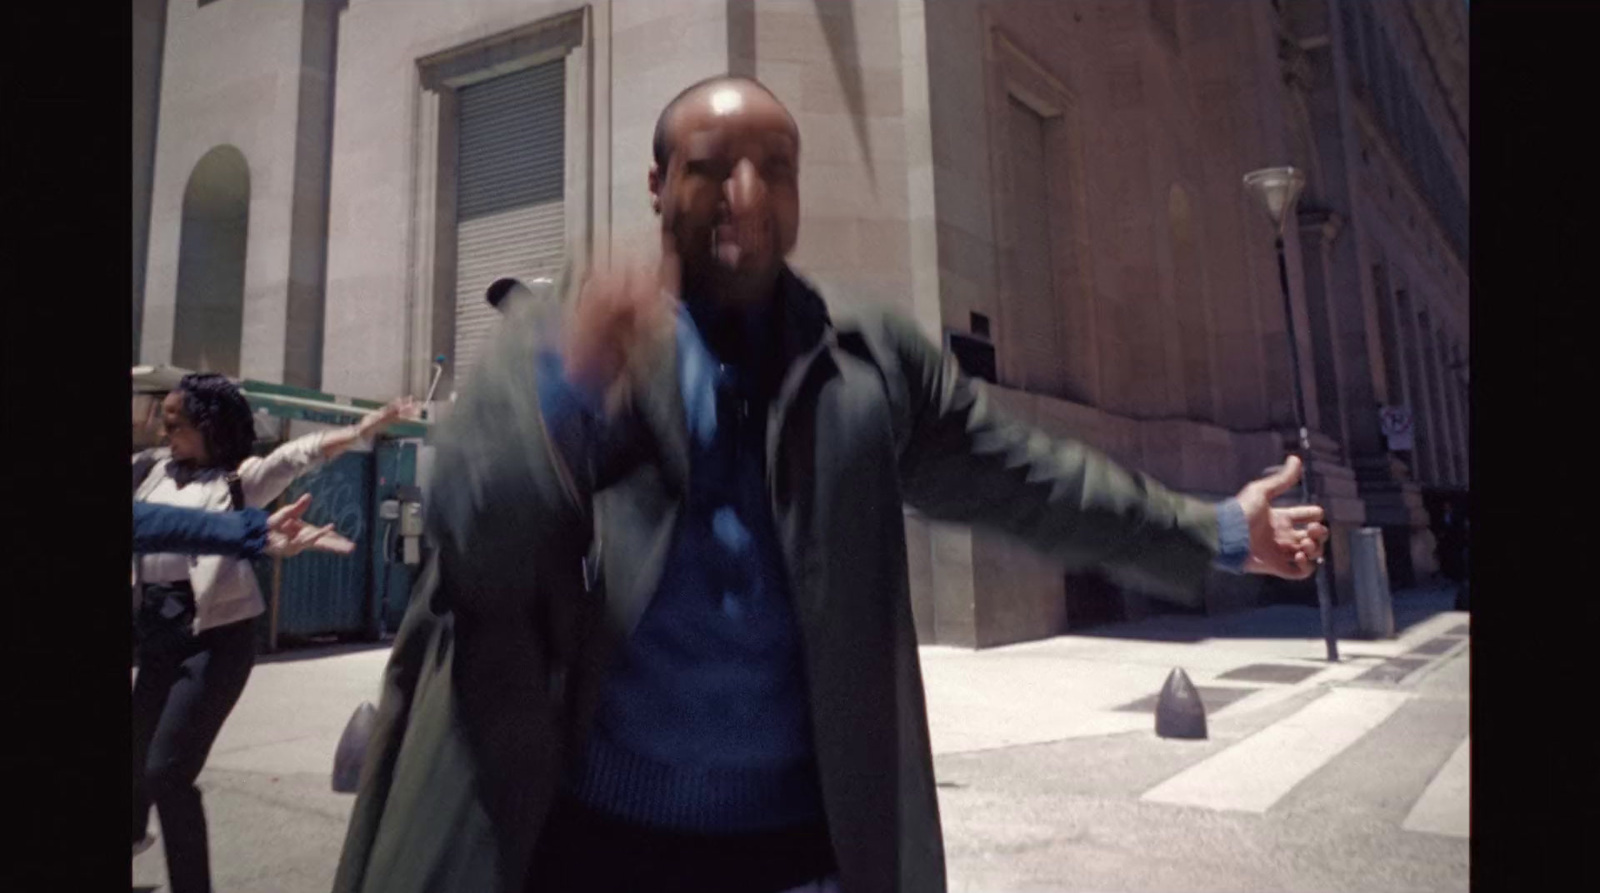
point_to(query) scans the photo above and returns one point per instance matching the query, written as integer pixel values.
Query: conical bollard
(1179, 713)
(352, 750)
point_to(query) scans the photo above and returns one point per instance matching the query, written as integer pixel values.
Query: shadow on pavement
(1411, 608)
(313, 649)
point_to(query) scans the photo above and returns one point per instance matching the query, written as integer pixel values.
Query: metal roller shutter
(509, 214)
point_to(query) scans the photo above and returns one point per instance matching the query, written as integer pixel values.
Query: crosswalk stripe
(1255, 773)
(1443, 807)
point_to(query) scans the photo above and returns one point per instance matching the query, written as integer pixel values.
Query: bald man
(666, 641)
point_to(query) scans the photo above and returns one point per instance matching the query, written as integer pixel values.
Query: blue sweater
(704, 723)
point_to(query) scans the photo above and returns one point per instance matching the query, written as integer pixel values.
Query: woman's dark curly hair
(218, 410)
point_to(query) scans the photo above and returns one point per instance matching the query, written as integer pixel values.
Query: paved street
(1315, 777)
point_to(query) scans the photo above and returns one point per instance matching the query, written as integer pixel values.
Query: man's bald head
(662, 145)
(725, 182)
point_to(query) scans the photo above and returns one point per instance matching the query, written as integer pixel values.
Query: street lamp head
(1278, 188)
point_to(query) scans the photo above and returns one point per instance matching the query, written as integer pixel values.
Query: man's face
(182, 436)
(729, 198)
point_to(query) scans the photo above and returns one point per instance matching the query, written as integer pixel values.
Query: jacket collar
(803, 317)
(805, 329)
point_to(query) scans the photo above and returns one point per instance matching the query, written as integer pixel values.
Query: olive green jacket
(540, 571)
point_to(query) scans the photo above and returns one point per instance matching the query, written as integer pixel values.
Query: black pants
(187, 685)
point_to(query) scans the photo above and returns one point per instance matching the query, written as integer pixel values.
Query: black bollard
(1179, 713)
(352, 750)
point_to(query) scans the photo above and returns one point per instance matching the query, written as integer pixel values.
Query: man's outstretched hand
(1284, 542)
(288, 536)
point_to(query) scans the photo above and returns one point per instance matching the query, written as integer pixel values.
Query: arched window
(209, 320)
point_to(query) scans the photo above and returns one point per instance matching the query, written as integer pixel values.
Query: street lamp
(1278, 188)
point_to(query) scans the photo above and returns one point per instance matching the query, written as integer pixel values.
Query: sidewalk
(1072, 686)
(297, 703)
(276, 825)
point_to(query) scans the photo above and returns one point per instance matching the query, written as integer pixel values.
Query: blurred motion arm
(963, 460)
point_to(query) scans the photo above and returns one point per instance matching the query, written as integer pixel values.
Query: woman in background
(196, 613)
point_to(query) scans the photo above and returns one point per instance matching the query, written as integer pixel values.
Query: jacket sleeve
(264, 478)
(186, 531)
(507, 521)
(416, 801)
(962, 460)
(504, 506)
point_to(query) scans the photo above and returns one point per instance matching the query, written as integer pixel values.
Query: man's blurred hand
(615, 312)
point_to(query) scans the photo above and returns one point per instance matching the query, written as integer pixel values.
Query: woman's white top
(225, 589)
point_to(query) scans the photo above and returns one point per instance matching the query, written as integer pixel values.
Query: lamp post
(1278, 188)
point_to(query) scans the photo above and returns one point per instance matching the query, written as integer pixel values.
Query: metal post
(1324, 597)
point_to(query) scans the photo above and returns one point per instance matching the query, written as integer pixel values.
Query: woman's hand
(338, 440)
(403, 408)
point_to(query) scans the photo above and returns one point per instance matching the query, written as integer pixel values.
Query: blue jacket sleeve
(1233, 535)
(185, 531)
(573, 416)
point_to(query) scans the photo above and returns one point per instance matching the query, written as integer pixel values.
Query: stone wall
(230, 77)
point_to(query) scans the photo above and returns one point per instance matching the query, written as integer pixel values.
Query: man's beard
(709, 279)
(732, 272)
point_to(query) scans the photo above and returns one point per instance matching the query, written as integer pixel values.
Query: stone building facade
(1055, 185)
